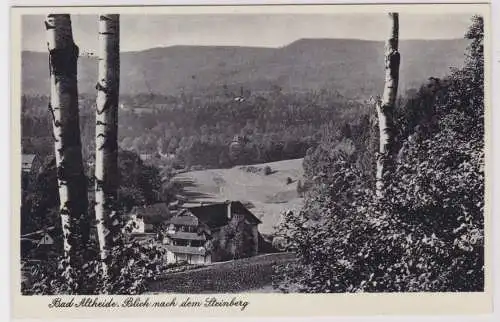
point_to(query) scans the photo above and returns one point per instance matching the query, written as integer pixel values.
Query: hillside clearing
(268, 196)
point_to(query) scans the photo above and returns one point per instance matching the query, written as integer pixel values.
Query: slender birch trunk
(385, 106)
(63, 106)
(106, 165)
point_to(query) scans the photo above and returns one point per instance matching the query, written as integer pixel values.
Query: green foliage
(427, 232)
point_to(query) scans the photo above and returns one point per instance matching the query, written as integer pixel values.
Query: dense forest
(190, 131)
(426, 231)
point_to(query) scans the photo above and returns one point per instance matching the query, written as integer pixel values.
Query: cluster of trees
(111, 262)
(140, 184)
(423, 229)
(268, 126)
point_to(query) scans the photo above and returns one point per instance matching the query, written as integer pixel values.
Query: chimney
(228, 209)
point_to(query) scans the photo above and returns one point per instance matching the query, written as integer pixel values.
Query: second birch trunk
(106, 164)
(385, 106)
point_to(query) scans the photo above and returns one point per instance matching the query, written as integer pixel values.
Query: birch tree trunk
(106, 165)
(385, 106)
(63, 106)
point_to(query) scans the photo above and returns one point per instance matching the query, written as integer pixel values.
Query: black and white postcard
(237, 161)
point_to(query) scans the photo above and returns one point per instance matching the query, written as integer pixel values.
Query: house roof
(184, 218)
(27, 161)
(186, 250)
(143, 237)
(46, 240)
(215, 215)
(38, 232)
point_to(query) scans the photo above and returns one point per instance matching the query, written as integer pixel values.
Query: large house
(210, 233)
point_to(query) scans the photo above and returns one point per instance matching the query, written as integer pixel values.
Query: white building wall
(191, 259)
(140, 227)
(170, 257)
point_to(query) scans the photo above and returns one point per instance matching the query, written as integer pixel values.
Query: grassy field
(270, 194)
(249, 275)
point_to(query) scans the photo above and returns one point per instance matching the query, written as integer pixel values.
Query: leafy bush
(131, 265)
(424, 236)
(426, 233)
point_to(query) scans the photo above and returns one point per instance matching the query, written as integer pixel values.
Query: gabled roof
(27, 161)
(185, 218)
(46, 240)
(215, 215)
(37, 233)
(143, 238)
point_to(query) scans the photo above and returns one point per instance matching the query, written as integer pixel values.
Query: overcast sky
(140, 32)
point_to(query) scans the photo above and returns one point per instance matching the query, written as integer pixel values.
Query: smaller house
(148, 218)
(30, 163)
(46, 240)
(38, 243)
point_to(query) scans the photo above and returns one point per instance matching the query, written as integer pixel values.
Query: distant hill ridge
(352, 67)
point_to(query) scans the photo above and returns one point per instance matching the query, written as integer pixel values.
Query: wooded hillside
(306, 64)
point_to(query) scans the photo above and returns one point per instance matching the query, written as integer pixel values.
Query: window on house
(197, 243)
(181, 242)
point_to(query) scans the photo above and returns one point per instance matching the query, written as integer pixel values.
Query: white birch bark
(106, 165)
(385, 106)
(72, 183)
